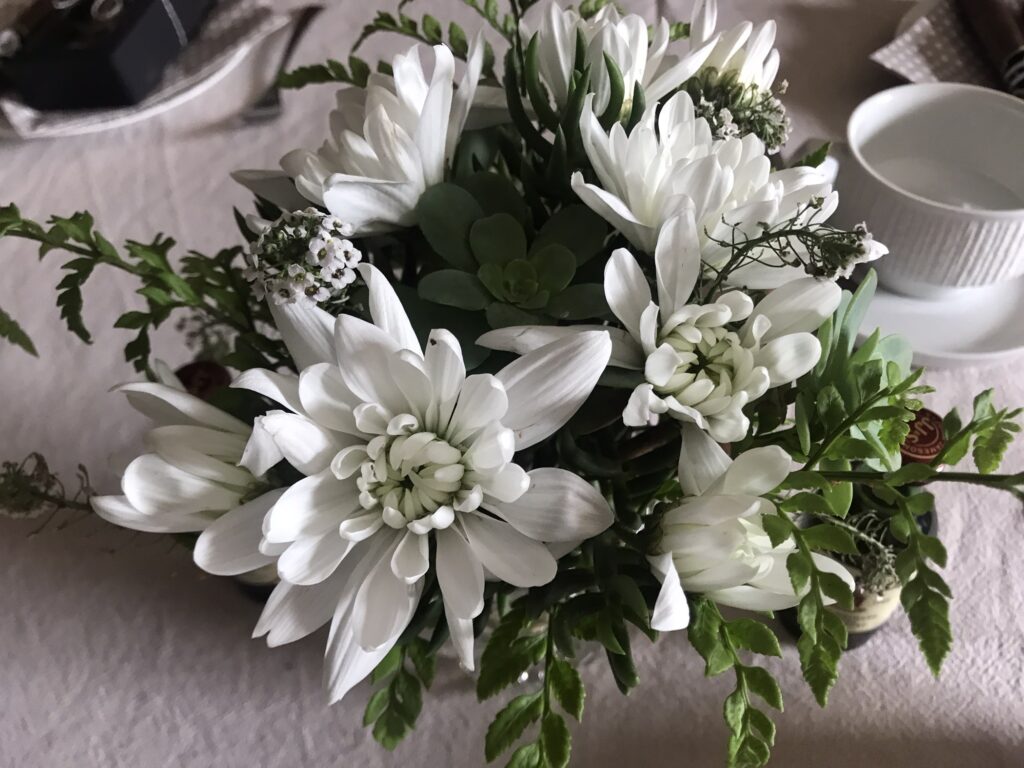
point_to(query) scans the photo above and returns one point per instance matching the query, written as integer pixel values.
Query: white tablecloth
(116, 651)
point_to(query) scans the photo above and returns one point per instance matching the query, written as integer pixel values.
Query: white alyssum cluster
(303, 256)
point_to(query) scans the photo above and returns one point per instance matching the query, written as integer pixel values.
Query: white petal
(363, 352)
(230, 545)
(168, 405)
(313, 505)
(327, 399)
(800, 305)
(383, 606)
(756, 472)
(671, 610)
(559, 506)
(155, 487)
(701, 461)
(787, 358)
(119, 511)
(507, 484)
(461, 633)
(626, 289)
(546, 387)
(661, 365)
(750, 598)
(294, 611)
(411, 558)
(508, 554)
(372, 206)
(280, 387)
(443, 364)
(493, 447)
(311, 559)
(460, 575)
(678, 261)
(386, 309)
(261, 451)
(305, 445)
(307, 332)
(626, 352)
(481, 401)
(346, 664)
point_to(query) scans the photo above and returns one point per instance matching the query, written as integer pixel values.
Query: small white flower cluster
(303, 256)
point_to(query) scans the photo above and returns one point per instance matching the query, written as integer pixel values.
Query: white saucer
(973, 327)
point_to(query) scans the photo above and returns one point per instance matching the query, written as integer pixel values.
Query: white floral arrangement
(535, 358)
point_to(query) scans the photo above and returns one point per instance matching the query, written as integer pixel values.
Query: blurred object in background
(940, 41)
(230, 31)
(997, 24)
(88, 54)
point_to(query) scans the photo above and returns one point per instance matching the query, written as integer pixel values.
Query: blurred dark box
(77, 63)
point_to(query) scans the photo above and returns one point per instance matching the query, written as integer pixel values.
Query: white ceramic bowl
(937, 172)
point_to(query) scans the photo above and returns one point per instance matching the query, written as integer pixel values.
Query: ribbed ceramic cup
(937, 172)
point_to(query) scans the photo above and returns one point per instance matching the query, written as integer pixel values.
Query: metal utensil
(268, 106)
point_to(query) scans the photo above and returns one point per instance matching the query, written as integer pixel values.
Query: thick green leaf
(445, 213)
(579, 302)
(577, 227)
(497, 239)
(496, 194)
(454, 288)
(555, 266)
(504, 315)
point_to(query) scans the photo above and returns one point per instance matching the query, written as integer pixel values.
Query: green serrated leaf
(567, 685)
(527, 756)
(829, 537)
(764, 685)
(10, 330)
(754, 636)
(555, 741)
(511, 722)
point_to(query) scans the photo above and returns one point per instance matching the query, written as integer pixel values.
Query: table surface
(116, 651)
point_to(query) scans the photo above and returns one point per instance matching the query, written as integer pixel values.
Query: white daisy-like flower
(670, 162)
(702, 363)
(201, 471)
(714, 542)
(409, 465)
(745, 50)
(644, 56)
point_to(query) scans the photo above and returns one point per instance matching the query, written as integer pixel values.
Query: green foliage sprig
(209, 286)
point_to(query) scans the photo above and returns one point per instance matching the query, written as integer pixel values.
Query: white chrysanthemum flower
(194, 476)
(745, 50)
(644, 56)
(714, 542)
(400, 447)
(702, 363)
(389, 142)
(670, 162)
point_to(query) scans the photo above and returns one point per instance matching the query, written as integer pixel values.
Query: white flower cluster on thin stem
(303, 256)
